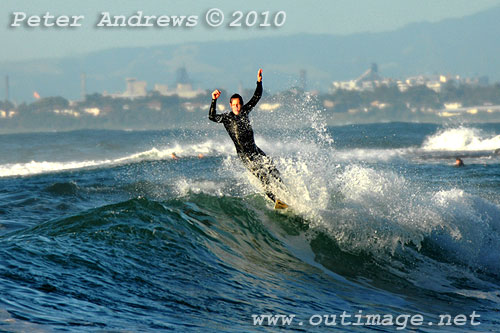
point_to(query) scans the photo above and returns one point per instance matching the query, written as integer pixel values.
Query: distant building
(345, 85)
(402, 85)
(303, 79)
(182, 76)
(7, 113)
(371, 75)
(371, 79)
(434, 85)
(7, 88)
(134, 89)
(83, 86)
(181, 90)
(452, 106)
(368, 81)
(162, 89)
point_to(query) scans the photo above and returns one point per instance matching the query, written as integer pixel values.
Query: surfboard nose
(280, 204)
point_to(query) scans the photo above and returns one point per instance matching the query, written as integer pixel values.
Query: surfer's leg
(268, 164)
(263, 168)
(270, 178)
(268, 175)
(274, 173)
(271, 196)
(263, 176)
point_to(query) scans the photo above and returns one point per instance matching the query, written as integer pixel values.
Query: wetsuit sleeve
(212, 114)
(254, 100)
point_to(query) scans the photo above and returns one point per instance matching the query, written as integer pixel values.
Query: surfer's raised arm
(212, 114)
(256, 95)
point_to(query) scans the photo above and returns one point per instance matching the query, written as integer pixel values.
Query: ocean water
(103, 231)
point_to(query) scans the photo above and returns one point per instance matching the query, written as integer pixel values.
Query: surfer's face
(236, 106)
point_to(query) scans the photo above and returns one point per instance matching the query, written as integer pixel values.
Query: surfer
(240, 130)
(459, 162)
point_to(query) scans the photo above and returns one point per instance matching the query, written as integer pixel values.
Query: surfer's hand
(216, 94)
(259, 75)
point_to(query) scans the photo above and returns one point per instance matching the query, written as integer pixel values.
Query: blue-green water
(104, 231)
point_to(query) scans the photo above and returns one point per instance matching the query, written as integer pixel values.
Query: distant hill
(466, 46)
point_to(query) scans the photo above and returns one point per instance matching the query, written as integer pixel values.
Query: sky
(284, 17)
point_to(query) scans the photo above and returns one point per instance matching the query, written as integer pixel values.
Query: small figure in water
(459, 162)
(240, 130)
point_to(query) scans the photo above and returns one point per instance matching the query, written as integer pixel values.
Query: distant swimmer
(174, 156)
(240, 130)
(459, 162)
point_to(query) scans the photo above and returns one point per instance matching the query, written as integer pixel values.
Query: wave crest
(462, 139)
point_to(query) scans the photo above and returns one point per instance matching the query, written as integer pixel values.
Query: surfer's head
(236, 103)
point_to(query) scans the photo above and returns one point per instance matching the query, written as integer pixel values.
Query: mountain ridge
(459, 46)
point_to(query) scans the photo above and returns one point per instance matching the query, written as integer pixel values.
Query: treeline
(417, 97)
(155, 111)
(102, 112)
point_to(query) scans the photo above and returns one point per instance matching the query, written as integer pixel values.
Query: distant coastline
(456, 103)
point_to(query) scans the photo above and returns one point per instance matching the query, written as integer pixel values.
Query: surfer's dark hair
(236, 96)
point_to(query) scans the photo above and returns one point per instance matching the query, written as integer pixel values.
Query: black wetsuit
(240, 130)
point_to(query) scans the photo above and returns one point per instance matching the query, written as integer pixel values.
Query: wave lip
(382, 213)
(203, 149)
(462, 139)
(34, 167)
